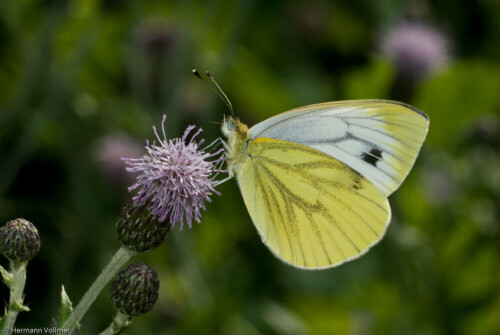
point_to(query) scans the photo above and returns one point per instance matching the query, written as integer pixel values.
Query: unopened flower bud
(135, 289)
(19, 240)
(139, 230)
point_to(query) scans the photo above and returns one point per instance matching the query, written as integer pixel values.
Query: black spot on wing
(372, 157)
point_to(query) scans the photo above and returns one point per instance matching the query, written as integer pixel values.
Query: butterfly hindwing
(378, 138)
(310, 209)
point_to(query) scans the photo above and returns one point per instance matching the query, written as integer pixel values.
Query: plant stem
(119, 259)
(120, 322)
(18, 271)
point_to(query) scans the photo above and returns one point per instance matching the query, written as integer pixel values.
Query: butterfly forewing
(379, 139)
(310, 209)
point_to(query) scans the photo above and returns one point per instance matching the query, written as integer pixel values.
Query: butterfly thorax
(237, 136)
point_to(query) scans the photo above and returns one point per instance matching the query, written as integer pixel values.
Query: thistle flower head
(416, 48)
(135, 289)
(108, 152)
(19, 240)
(176, 177)
(158, 39)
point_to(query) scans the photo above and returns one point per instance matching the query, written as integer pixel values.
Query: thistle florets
(19, 240)
(135, 289)
(176, 177)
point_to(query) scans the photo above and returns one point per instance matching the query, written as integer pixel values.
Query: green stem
(119, 323)
(18, 271)
(119, 259)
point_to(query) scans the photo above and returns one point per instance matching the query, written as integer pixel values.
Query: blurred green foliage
(74, 73)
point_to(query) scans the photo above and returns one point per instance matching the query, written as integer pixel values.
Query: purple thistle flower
(416, 48)
(108, 151)
(176, 177)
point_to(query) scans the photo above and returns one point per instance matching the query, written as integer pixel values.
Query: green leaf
(7, 277)
(66, 308)
(372, 81)
(18, 305)
(457, 97)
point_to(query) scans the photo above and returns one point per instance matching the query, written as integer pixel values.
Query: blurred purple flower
(417, 49)
(108, 152)
(440, 187)
(156, 38)
(176, 177)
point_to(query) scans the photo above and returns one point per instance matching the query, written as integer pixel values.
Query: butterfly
(315, 179)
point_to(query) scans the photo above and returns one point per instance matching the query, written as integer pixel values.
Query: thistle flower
(135, 289)
(19, 240)
(108, 152)
(176, 177)
(416, 48)
(156, 38)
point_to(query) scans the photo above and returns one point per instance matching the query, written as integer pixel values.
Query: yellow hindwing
(310, 209)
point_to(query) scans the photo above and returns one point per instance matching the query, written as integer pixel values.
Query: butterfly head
(236, 133)
(233, 128)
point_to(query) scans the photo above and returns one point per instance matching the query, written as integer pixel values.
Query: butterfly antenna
(226, 99)
(216, 88)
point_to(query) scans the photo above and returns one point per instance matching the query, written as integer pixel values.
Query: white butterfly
(316, 179)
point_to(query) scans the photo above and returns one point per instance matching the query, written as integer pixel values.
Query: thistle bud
(135, 289)
(139, 230)
(19, 240)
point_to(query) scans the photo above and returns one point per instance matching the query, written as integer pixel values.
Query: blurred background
(82, 82)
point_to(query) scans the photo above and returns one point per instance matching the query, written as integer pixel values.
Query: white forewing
(380, 139)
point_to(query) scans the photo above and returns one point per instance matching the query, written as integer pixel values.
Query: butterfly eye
(231, 124)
